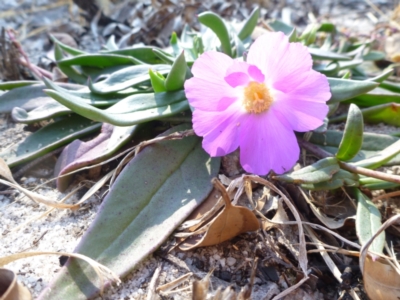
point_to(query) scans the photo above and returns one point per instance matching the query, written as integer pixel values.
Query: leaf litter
(280, 217)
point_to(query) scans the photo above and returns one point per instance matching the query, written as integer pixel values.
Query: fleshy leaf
(79, 154)
(126, 78)
(176, 77)
(352, 136)
(376, 97)
(339, 179)
(29, 97)
(343, 89)
(386, 113)
(44, 112)
(320, 54)
(322, 170)
(10, 85)
(71, 71)
(277, 25)
(149, 199)
(98, 60)
(368, 221)
(250, 24)
(48, 139)
(132, 110)
(217, 25)
(373, 150)
(157, 81)
(66, 48)
(142, 53)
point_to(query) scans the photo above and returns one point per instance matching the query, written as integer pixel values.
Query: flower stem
(347, 166)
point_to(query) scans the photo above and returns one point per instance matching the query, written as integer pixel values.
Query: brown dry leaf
(381, 281)
(230, 222)
(10, 288)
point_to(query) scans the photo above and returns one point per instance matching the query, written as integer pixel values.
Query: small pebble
(230, 261)
(222, 262)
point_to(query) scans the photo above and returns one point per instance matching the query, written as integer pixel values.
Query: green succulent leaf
(383, 76)
(343, 89)
(72, 72)
(352, 136)
(381, 158)
(98, 60)
(66, 48)
(386, 113)
(44, 112)
(138, 215)
(217, 25)
(250, 24)
(157, 81)
(164, 56)
(176, 77)
(10, 85)
(320, 54)
(374, 55)
(127, 78)
(339, 179)
(49, 138)
(145, 54)
(29, 97)
(277, 25)
(376, 149)
(368, 221)
(321, 171)
(174, 42)
(377, 96)
(132, 110)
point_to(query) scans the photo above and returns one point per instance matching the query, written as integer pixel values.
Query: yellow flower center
(257, 98)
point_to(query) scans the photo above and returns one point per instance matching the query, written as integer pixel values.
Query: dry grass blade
(303, 261)
(165, 288)
(102, 272)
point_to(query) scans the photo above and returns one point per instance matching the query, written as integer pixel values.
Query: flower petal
(279, 59)
(209, 95)
(267, 143)
(301, 115)
(212, 66)
(237, 79)
(304, 107)
(220, 130)
(256, 74)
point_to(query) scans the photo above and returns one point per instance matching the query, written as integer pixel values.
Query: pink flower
(258, 104)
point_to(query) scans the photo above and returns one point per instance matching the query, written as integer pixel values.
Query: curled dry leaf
(381, 281)
(230, 222)
(10, 288)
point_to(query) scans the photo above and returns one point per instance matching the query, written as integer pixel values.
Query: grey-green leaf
(343, 89)
(368, 221)
(132, 110)
(149, 199)
(352, 136)
(49, 138)
(320, 171)
(126, 78)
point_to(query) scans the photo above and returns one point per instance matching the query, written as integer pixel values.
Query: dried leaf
(381, 281)
(230, 222)
(10, 289)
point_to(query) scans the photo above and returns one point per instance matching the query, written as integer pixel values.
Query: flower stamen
(257, 98)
